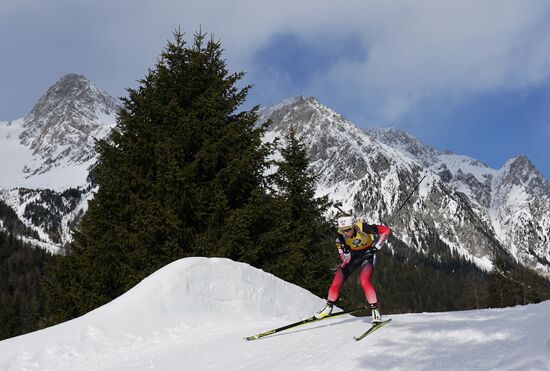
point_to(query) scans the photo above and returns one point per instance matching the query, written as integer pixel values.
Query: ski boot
(326, 311)
(375, 313)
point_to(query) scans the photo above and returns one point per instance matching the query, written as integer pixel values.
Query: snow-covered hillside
(53, 146)
(373, 178)
(15, 157)
(45, 157)
(463, 206)
(476, 211)
(194, 313)
(514, 200)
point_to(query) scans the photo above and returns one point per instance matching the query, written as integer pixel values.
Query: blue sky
(469, 76)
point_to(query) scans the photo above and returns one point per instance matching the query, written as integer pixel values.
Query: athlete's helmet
(345, 222)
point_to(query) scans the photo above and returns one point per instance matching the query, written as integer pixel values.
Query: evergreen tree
(178, 169)
(308, 252)
(513, 284)
(501, 284)
(296, 181)
(22, 300)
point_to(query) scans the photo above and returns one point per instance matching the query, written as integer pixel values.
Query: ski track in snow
(194, 313)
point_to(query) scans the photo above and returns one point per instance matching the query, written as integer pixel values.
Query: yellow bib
(361, 240)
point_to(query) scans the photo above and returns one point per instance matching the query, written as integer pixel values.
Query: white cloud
(418, 49)
(448, 48)
(413, 49)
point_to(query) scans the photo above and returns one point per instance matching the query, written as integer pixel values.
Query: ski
(372, 329)
(302, 322)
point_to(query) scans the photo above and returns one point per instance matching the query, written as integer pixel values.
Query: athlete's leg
(337, 282)
(364, 280)
(340, 277)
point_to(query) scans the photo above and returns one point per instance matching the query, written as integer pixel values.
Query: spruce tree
(22, 299)
(308, 252)
(513, 284)
(180, 164)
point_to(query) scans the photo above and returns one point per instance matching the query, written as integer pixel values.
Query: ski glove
(379, 243)
(346, 257)
(345, 254)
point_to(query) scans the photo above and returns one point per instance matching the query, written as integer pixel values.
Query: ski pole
(407, 199)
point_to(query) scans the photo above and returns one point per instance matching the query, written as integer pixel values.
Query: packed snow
(194, 313)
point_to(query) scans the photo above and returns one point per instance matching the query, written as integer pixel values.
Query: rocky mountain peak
(472, 208)
(68, 95)
(520, 209)
(62, 124)
(405, 142)
(306, 112)
(518, 170)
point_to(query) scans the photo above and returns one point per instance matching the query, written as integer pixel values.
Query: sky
(471, 76)
(194, 314)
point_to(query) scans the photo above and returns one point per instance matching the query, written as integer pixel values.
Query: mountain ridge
(459, 184)
(61, 126)
(51, 151)
(475, 210)
(503, 196)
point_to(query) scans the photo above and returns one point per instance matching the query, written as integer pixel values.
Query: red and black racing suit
(361, 247)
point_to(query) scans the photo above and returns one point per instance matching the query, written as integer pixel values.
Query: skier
(357, 244)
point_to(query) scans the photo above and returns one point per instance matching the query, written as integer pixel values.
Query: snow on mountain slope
(61, 127)
(59, 213)
(53, 146)
(46, 156)
(520, 204)
(462, 173)
(13, 155)
(514, 200)
(194, 313)
(373, 178)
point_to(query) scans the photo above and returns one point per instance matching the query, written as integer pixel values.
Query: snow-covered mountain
(61, 128)
(473, 209)
(515, 199)
(53, 146)
(462, 205)
(49, 152)
(194, 313)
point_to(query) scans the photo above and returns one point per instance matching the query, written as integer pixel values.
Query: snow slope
(372, 178)
(194, 313)
(53, 145)
(14, 157)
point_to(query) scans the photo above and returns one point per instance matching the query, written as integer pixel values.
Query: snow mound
(194, 313)
(213, 288)
(191, 298)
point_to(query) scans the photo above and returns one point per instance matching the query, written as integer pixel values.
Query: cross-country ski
(300, 323)
(373, 328)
